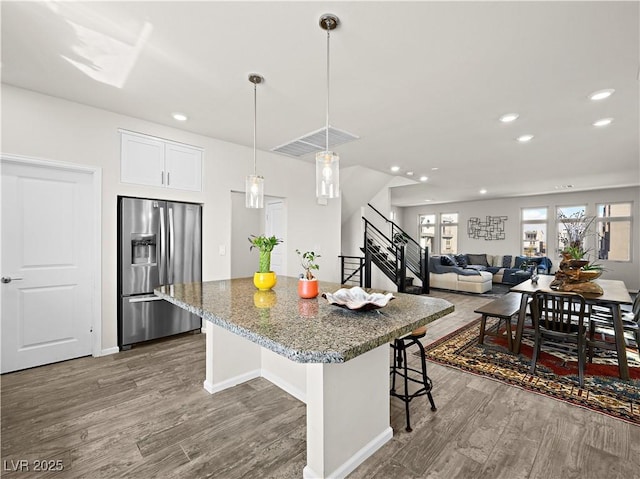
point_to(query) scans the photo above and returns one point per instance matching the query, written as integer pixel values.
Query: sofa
(475, 273)
(458, 278)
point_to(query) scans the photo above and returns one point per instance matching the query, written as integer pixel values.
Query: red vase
(308, 288)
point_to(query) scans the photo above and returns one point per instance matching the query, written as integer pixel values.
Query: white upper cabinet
(142, 160)
(183, 165)
(146, 160)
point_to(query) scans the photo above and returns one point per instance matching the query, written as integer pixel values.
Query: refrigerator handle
(171, 258)
(163, 248)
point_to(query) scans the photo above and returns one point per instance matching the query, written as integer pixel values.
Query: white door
(48, 242)
(275, 225)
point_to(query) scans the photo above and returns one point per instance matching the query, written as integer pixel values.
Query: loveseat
(475, 273)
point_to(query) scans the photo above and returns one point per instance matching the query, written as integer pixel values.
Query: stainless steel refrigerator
(160, 242)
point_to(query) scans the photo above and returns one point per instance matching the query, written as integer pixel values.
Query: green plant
(308, 262)
(574, 252)
(265, 245)
(593, 267)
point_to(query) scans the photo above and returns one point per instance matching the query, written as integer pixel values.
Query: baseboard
(284, 385)
(108, 351)
(229, 383)
(354, 461)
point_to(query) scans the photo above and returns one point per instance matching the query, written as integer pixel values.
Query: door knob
(8, 279)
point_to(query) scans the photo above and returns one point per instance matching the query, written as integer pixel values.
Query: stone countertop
(302, 330)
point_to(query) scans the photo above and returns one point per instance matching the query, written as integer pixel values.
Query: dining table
(614, 294)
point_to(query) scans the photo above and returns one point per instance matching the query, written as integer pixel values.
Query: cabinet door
(184, 167)
(142, 160)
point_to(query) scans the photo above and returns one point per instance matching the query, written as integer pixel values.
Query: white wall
(244, 222)
(629, 272)
(44, 127)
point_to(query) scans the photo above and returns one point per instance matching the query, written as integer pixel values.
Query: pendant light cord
(328, 62)
(255, 114)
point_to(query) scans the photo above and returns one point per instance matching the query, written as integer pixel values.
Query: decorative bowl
(357, 299)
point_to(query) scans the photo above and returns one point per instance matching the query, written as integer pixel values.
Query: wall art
(492, 229)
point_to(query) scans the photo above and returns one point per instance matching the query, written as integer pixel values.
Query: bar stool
(401, 368)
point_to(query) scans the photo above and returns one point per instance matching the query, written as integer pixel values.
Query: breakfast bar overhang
(334, 360)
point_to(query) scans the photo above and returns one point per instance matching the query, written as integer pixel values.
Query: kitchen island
(334, 360)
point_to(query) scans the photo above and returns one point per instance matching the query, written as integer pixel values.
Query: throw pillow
(480, 259)
(520, 260)
(461, 260)
(506, 261)
(447, 260)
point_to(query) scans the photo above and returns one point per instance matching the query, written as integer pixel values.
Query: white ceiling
(421, 83)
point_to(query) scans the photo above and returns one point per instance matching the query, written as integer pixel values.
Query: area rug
(556, 375)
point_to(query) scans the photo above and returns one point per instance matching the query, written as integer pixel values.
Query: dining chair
(601, 322)
(559, 318)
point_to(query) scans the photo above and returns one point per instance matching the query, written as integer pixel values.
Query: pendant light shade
(327, 174)
(328, 162)
(254, 187)
(254, 184)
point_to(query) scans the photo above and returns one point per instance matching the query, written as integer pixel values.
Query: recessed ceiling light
(524, 138)
(424, 178)
(435, 168)
(428, 199)
(395, 168)
(409, 173)
(601, 94)
(509, 117)
(179, 116)
(483, 191)
(603, 122)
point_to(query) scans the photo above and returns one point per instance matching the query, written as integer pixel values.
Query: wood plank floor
(143, 414)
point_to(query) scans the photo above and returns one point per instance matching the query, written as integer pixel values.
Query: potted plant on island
(264, 279)
(308, 284)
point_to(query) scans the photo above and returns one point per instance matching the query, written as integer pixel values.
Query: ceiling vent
(314, 142)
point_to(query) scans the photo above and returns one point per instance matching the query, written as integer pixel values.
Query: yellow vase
(265, 281)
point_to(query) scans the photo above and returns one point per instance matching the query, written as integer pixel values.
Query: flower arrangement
(575, 269)
(576, 229)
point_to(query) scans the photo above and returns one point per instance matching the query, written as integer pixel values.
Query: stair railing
(387, 256)
(416, 257)
(351, 270)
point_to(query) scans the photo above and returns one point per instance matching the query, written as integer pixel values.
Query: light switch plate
(222, 250)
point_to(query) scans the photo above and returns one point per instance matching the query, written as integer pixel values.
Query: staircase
(395, 254)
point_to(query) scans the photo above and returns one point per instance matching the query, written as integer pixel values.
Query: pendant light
(328, 162)
(254, 184)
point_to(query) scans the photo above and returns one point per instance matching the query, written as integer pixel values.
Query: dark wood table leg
(509, 333)
(621, 347)
(483, 325)
(522, 315)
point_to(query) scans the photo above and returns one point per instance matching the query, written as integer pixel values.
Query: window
(571, 219)
(448, 233)
(614, 231)
(426, 230)
(534, 231)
